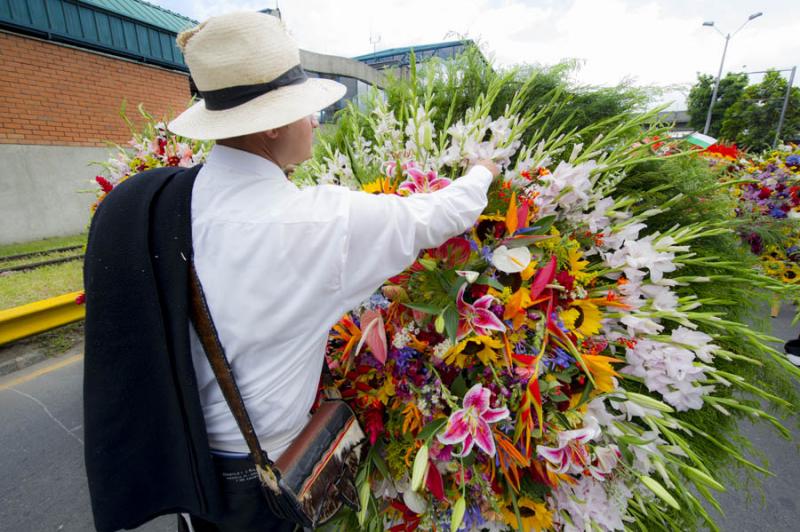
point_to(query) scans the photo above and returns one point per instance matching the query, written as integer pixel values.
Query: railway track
(37, 259)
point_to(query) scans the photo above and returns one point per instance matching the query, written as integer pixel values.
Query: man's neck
(255, 144)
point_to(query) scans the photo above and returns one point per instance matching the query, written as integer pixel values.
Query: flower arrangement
(554, 366)
(531, 373)
(153, 146)
(768, 190)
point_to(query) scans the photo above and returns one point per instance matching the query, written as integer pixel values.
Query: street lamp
(710, 23)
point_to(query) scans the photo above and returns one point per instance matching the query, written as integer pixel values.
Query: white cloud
(658, 42)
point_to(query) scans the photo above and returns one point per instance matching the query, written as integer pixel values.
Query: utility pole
(711, 24)
(785, 105)
(716, 86)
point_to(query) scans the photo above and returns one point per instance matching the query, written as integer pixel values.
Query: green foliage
(730, 89)
(753, 120)
(451, 87)
(609, 127)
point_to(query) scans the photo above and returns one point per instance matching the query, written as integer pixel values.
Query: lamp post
(722, 63)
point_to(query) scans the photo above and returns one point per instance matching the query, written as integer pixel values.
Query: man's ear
(271, 134)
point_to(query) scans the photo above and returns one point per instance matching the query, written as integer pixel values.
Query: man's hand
(489, 165)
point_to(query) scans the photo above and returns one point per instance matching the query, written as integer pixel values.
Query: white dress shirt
(280, 265)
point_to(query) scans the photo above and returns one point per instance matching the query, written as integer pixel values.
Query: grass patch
(5, 264)
(42, 245)
(57, 341)
(52, 343)
(20, 288)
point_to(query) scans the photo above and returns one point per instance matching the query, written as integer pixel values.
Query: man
(278, 266)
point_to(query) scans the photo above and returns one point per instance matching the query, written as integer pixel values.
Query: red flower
(373, 422)
(104, 183)
(764, 193)
(454, 252)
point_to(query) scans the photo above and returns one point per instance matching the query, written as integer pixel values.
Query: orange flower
(515, 308)
(602, 372)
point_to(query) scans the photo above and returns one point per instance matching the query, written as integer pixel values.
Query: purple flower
(558, 358)
(403, 358)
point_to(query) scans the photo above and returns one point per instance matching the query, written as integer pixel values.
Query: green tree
(730, 89)
(753, 120)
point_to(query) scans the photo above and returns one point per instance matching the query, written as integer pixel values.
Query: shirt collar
(243, 162)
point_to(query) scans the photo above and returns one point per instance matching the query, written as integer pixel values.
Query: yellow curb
(41, 371)
(41, 316)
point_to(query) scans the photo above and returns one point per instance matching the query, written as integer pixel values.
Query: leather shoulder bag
(315, 476)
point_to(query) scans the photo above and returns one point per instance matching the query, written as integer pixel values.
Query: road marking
(49, 414)
(42, 371)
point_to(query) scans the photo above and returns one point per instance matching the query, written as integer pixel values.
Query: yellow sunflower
(583, 318)
(773, 267)
(483, 347)
(534, 515)
(379, 186)
(791, 273)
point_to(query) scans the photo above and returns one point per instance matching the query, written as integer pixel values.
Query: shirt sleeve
(387, 232)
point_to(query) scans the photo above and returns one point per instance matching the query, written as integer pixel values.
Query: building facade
(67, 67)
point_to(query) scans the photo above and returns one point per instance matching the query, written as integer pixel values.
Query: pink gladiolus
(419, 181)
(571, 455)
(476, 317)
(470, 425)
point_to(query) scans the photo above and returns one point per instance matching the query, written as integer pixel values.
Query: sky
(649, 42)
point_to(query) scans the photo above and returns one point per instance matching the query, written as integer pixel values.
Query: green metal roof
(128, 28)
(417, 48)
(148, 13)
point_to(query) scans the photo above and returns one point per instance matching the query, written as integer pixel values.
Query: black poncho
(146, 447)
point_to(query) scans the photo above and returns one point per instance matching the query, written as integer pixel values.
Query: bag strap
(207, 332)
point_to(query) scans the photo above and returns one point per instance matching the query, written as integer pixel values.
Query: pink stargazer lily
(571, 455)
(470, 425)
(476, 317)
(419, 181)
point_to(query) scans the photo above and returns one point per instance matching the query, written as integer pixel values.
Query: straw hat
(247, 70)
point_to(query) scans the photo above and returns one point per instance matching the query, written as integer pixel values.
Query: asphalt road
(43, 485)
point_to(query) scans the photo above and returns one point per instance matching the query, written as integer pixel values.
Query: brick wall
(58, 95)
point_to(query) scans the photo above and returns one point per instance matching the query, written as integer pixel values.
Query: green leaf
(451, 323)
(422, 307)
(377, 459)
(488, 281)
(459, 386)
(429, 430)
(542, 225)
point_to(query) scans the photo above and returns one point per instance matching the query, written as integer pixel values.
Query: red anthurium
(434, 481)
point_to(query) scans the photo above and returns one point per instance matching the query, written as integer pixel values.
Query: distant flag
(698, 139)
